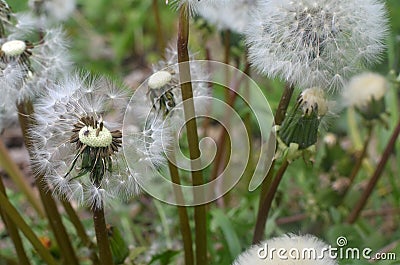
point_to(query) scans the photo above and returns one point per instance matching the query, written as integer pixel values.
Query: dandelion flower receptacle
(316, 43)
(77, 140)
(299, 250)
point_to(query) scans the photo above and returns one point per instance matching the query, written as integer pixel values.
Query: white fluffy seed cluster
(363, 88)
(25, 66)
(312, 98)
(235, 15)
(316, 42)
(57, 110)
(290, 242)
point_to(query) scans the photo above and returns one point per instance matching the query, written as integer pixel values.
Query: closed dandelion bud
(365, 92)
(119, 248)
(313, 43)
(265, 253)
(299, 130)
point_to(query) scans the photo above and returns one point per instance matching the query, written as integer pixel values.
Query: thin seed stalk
(266, 185)
(13, 232)
(103, 242)
(183, 215)
(80, 231)
(191, 128)
(25, 110)
(26, 230)
(375, 177)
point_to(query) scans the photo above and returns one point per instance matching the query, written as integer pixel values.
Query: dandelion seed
(316, 43)
(76, 147)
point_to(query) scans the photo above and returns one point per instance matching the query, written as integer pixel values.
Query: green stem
(359, 161)
(13, 232)
(80, 230)
(25, 228)
(160, 35)
(25, 110)
(183, 215)
(12, 169)
(103, 242)
(193, 139)
(55, 221)
(375, 177)
(266, 204)
(265, 186)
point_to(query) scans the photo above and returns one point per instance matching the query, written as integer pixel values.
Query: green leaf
(230, 235)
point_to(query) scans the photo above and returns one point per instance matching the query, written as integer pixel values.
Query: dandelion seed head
(363, 88)
(235, 16)
(287, 242)
(77, 142)
(316, 42)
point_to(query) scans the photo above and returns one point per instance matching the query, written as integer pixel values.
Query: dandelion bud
(300, 128)
(266, 253)
(366, 93)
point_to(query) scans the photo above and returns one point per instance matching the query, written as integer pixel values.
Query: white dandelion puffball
(195, 5)
(316, 42)
(293, 250)
(235, 16)
(77, 141)
(363, 88)
(26, 67)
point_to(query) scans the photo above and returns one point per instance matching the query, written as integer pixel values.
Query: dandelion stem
(24, 227)
(359, 161)
(80, 230)
(375, 177)
(183, 215)
(25, 110)
(13, 232)
(267, 202)
(265, 186)
(8, 164)
(103, 242)
(160, 35)
(193, 139)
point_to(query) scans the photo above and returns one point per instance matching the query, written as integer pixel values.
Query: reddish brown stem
(375, 177)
